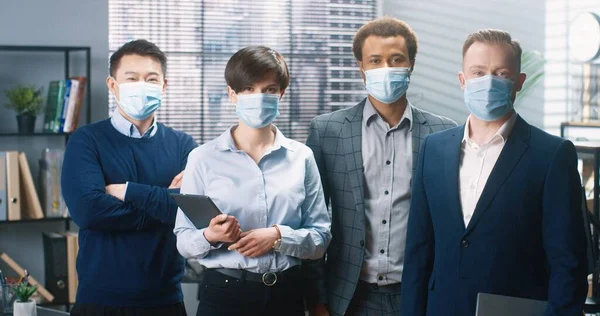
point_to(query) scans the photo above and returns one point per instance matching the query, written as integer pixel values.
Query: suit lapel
(419, 131)
(513, 150)
(452, 159)
(352, 141)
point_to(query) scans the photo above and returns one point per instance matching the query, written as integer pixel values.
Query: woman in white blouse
(270, 190)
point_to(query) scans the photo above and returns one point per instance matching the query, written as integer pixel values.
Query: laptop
(498, 305)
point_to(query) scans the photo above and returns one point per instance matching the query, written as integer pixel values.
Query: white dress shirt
(476, 164)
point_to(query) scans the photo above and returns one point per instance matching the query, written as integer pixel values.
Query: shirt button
(472, 187)
(386, 192)
(464, 243)
(380, 278)
(384, 221)
(382, 251)
(388, 162)
(362, 243)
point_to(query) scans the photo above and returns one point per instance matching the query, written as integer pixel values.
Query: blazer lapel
(352, 141)
(452, 158)
(513, 150)
(419, 131)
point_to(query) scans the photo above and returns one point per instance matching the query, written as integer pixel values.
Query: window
(199, 37)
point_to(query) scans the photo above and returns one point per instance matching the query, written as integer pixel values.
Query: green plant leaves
(532, 64)
(23, 291)
(25, 99)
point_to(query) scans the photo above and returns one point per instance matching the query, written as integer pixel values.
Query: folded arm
(83, 188)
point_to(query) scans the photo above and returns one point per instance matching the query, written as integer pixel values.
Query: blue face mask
(387, 84)
(257, 110)
(139, 99)
(488, 98)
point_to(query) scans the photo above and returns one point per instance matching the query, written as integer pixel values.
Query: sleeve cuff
(125, 195)
(287, 239)
(135, 192)
(205, 244)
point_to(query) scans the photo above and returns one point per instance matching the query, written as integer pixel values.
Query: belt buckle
(269, 278)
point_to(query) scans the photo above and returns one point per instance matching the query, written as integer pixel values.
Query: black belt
(374, 287)
(267, 278)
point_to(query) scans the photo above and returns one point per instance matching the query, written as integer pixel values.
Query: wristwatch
(277, 243)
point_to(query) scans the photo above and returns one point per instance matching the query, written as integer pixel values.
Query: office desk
(41, 311)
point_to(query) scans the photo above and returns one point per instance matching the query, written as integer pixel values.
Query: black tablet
(200, 209)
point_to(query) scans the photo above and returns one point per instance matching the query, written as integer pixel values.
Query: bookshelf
(67, 221)
(76, 61)
(66, 51)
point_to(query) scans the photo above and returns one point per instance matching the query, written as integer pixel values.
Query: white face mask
(139, 99)
(387, 84)
(257, 110)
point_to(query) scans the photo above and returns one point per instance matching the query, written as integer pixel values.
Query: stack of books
(64, 102)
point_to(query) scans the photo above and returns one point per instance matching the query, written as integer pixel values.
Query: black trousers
(222, 295)
(95, 310)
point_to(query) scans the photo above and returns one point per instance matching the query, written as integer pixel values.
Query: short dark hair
(492, 36)
(385, 27)
(253, 63)
(140, 47)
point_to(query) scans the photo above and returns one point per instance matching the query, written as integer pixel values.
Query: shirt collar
(503, 132)
(127, 128)
(370, 114)
(225, 141)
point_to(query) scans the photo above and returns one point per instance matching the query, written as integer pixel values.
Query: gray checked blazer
(336, 141)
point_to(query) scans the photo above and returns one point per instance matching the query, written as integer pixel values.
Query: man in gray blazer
(366, 156)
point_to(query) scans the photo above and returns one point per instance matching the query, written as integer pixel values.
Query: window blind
(199, 37)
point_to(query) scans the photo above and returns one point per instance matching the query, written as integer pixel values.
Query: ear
(412, 65)
(519, 82)
(362, 70)
(112, 86)
(462, 80)
(282, 93)
(232, 95)
(164, 88)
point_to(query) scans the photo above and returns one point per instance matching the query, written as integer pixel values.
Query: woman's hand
(223, 228)
(256, 242)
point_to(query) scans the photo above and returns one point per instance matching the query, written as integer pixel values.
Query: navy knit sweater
(127, 250)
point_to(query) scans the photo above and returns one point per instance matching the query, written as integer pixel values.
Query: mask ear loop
(114, 94)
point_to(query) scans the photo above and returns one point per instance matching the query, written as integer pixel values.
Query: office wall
(442, 27)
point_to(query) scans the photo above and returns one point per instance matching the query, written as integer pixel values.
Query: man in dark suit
(365, 156)
(496, 203)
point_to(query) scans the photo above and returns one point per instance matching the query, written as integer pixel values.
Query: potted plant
(27, 102)
(24, 306)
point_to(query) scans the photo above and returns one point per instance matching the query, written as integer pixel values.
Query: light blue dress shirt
(283, 189)
(128, 129)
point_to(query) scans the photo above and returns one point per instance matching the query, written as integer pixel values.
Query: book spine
(73, 96)
(60, 114)
(53, 93)
(3, 184)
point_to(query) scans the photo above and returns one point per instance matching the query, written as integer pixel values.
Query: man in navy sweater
(116, 179)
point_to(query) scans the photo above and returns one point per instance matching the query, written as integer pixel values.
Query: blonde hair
(493, 36)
